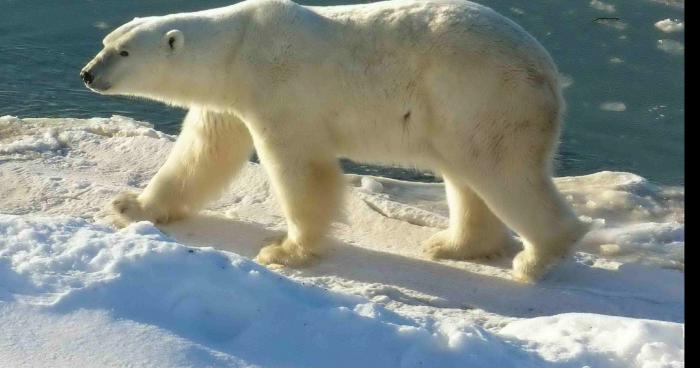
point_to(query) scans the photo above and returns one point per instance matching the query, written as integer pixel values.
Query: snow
(672, 47)
(680, 4)
(76, 292)
(47, 142)
(613, 106)
(217, 299)
(101, 25)
(602, 6)
(574, 337)
(670, 26)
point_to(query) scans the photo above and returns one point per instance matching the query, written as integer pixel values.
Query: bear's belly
(389, 139)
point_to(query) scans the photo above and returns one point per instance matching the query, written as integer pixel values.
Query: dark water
(43, 45)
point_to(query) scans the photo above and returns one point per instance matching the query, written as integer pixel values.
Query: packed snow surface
(75, 292)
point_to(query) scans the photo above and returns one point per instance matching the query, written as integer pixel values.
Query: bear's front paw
(126, 208)
(287, 253)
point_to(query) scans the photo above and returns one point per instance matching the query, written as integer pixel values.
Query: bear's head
(143, 58)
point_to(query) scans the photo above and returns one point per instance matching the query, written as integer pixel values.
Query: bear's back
(454, 26)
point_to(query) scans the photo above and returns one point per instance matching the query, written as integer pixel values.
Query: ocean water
(625, 95)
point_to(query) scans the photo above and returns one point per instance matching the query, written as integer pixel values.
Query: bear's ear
(173, 40)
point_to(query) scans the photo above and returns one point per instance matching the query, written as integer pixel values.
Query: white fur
(446, 85)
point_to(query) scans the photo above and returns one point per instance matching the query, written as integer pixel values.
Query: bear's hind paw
(440, 246)
(529, 267)
(286, 253)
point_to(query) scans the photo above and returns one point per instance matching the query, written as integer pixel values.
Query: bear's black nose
(86, 76)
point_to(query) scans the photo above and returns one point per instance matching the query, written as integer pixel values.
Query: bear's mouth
(98, 86)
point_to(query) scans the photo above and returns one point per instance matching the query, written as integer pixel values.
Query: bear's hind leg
(310, 192)
(474, 231)
(529, 203)
(207, 154)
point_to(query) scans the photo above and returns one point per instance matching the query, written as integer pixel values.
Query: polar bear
(446, 85)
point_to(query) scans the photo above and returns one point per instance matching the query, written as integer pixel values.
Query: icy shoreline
(71, 285)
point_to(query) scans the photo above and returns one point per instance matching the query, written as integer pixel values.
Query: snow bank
(76, 292)
(598, 341)
(48, 142)
(68, 272)
(219, 300)
(19, 135)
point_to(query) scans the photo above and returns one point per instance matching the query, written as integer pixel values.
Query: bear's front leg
(207, 154)
(309, 189)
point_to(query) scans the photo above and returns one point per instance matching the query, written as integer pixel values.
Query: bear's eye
(124, 53)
